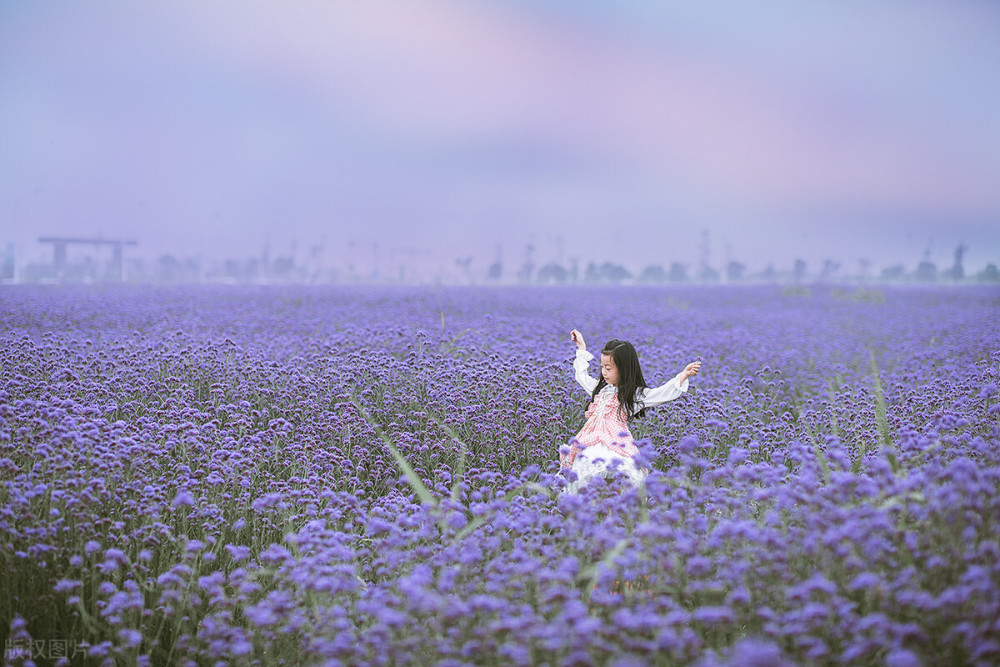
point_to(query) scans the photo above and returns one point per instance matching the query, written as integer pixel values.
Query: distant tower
(7, 272)
(704, 249)
(528, 267)
(706, 273)
(865, 265)
(351, 256)
(957, 270)
(265, 256)
(495, 272)
(317, 267)
(926, 270)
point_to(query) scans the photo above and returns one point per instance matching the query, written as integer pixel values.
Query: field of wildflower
(367, 475)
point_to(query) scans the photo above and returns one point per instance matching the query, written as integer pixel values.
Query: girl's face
(609, 370)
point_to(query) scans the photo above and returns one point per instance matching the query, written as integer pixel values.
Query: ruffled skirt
(600, 461)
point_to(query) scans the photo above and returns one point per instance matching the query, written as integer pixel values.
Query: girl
(605, 443)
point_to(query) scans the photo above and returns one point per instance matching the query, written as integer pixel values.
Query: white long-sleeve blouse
(645, 397)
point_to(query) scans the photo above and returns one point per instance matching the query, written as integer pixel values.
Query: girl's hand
(577, 338)
(692, 369)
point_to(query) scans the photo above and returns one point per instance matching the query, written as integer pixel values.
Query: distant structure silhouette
(927, 270)
(59, 244)
(957, 271)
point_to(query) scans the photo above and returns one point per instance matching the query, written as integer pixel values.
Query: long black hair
(629, 377)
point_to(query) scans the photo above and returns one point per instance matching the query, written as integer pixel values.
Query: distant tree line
(926, 271)
(286, 269)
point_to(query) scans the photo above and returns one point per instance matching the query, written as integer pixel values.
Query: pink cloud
(444, 71)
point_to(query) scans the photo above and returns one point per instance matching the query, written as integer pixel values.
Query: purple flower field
(294, 475)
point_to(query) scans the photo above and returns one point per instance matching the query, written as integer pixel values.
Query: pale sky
(619, 130)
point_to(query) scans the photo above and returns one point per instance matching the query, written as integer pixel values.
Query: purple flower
(713, 615)
(737, 456)
(238, 552)
(183, 499)
(377, 526)
(193, 546)
(116, 555)
(67, 585)
(864, 581)
(756, 652)
(688, 445)
(900, 657)
(275, 554)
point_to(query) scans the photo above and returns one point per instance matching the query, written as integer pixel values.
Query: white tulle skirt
(599, 461)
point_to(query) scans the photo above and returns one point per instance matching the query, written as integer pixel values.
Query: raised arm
(672, 389)
(581, 362)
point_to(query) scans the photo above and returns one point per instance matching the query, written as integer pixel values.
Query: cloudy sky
(423, 131)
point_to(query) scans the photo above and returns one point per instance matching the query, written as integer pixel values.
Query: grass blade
(461, 460)
(404, 466)
(880, 416)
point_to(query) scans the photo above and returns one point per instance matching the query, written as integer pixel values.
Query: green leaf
(404, 466)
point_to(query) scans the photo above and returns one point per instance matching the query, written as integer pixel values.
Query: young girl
(605, 443)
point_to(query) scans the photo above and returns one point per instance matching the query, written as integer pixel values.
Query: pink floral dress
(605, 442)
(605, 426)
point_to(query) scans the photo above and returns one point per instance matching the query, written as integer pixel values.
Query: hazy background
(391, 131)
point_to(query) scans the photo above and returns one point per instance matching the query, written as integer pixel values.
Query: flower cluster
(289, 475)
